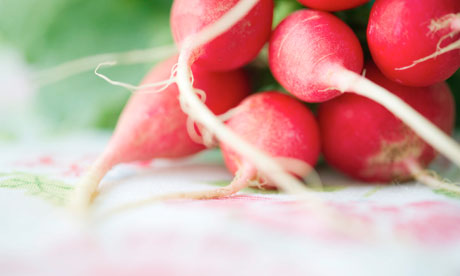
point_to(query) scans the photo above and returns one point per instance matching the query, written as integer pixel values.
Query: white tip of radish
(86, 188)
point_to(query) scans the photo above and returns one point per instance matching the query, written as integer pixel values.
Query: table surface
(398, 229)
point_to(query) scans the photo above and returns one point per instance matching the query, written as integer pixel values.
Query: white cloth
(415, 231)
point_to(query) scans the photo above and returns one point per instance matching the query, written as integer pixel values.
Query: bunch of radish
(383, 123)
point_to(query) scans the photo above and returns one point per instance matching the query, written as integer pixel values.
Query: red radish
(277, 124)
(332, 5)
(364, 140)
(153, 125)
(408, 39)
(316, 56)
(231, 49)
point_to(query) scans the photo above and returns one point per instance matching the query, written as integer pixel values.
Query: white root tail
(431, 179)
(74, 67)
(246, 176)
(449, 21)
(347, 80)
(241, 181)
(86, 188)
(146, 88)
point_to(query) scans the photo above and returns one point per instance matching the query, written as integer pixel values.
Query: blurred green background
(45, 33)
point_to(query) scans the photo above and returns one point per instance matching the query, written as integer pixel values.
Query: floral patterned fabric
(398, 229)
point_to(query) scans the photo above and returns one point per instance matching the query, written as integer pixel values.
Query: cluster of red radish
(398, 115)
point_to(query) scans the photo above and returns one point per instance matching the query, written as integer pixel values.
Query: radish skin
(329, 65)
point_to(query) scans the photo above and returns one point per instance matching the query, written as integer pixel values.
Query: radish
(377, 146)
(332, 5)
(279, 125)
(197, 111)
(415, 42)
(153, 125)
(328, 64)
(231, 49)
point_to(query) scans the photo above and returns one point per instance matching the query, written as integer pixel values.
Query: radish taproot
(329, 62)
(332, 5)
(153, 125)
(231, 49)
(415, 42)
(377, 146)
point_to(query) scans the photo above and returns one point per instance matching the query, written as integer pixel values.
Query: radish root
(431, 178)
(147, 88)
(450, 22)
(241, 181)
(86, 188)
(74, 67)
(347, 80)
(246, 176)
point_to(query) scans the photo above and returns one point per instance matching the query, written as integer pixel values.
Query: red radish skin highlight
(233, 48)
(277, 124)
(153, 125)
(365, 141)
(410, 41)
(329, 62)
(332, 5)
(306, 47)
